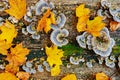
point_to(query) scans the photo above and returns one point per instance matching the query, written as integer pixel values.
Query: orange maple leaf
(47, 19)
(23, 75)
(101, 76)
(17, 55)
(3, 47)
(17, 8)
(12, 68)
(7, 76)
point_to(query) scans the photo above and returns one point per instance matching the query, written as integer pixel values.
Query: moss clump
(70, 49)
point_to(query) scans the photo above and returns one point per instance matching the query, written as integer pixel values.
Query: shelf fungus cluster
(42, 5)
(108, 11)
(60, 22)
(101, 45)
(59, 34)
(32, 68)
(31, 30)
(76, 60)
(111, 12)
(35, 12)
(110, 62)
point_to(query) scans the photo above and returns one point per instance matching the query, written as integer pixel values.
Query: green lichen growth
(70, 49)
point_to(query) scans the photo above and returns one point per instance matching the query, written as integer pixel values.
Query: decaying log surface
(68, 8)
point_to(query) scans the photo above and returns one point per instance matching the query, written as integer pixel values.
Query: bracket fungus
(1, 21)
(43, 5)
(31, 28)
(81, 39)
(36, 36)
(40, 68)
(30, 14)
(24, 31)
(101, 45)
(116, 17)
(58, 37)
(61, 19)
(74, 60)
(110, 63)
(89, 64)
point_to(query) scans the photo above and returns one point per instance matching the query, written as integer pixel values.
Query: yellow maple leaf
(3, 47)
(17, 8)
(17, 55)
(69, 77)
(7, 76)
(82, 11)
(45, 22)
(23, 75)
(82, 23)
(55, 71)
(54, 56)
(8, 32)
(101, 76)
(95, 26)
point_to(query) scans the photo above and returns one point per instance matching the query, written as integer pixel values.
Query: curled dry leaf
(114, 25)
(17, 8)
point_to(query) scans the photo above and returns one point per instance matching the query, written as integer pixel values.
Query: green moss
(70, 49)
(116, 49)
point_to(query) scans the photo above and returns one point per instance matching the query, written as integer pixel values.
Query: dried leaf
(82, 11)
(101, 76)
(3, 47)
(95, 26)
(45, 22)
(114, 25)
(17, 8)
(17, 55)
(69, 77)
(8, 32)
(8, 76)
(54, 56)
(23, 75)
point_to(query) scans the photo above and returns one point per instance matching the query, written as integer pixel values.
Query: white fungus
(74, 60)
